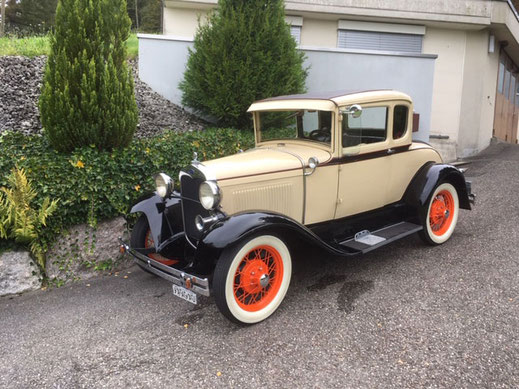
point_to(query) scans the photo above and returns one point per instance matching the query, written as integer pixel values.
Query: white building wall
(478, 94)
(319, 33)
(449, 45)
(182, 22)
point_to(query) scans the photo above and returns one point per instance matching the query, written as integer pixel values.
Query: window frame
(406, 129)
(366, 147)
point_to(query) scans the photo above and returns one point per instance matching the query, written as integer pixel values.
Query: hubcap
(264, 280)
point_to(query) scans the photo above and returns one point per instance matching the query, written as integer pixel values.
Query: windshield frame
(307, 142)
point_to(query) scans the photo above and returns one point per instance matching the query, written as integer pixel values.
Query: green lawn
(39, 45)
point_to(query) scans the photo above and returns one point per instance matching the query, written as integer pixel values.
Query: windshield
(300, 124)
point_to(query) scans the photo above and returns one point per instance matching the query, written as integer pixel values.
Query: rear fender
(420, 189)
(237, 228)
(154, 207)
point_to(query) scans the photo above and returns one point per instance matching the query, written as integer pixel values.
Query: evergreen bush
(244, 52)
(87, 96)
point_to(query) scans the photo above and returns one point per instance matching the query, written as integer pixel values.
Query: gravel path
(20, 83)
(405, 316)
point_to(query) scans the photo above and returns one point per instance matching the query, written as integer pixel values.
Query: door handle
(390, 151)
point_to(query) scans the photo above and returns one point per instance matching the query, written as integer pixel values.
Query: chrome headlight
(163, 185)
(209, 194)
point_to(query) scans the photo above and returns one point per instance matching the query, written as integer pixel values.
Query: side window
(370, 127)
(400, 115)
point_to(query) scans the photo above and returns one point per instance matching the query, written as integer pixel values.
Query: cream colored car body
(347, 180)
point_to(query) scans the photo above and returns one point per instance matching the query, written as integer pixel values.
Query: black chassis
(199, 260)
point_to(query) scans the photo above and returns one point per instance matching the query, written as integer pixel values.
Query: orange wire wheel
(257, 279)
(251, 279)
(148, 243)
(442, 215)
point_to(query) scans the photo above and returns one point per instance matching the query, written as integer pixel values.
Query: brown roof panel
(323, 95)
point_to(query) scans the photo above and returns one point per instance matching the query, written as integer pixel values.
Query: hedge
(92, 185)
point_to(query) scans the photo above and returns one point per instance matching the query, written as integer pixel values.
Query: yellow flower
(137, 188)
(196, 144)
(147, 150)
(80, 165)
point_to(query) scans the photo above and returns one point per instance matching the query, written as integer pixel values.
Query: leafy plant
(87, 95)
(244, 52)
(94, 185)
(18, 219)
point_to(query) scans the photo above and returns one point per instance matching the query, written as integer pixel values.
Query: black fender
(424, 182)
(233, 230)
(164, 215)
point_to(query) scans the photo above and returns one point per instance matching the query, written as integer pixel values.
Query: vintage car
(338, 171)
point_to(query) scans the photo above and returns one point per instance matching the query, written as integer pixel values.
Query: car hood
(264, 160)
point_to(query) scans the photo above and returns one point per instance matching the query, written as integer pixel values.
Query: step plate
(381, 237)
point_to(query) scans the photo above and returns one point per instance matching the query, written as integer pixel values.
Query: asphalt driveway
(407, 315)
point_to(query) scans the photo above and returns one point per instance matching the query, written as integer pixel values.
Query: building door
(507, 101)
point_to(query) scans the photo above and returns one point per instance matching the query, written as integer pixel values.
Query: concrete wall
(452, 11)
(464, 87)
(162, 61)
(478, 94)
(449, 45)
(346, 69)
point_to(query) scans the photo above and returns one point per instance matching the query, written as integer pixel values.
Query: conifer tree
(244, 52)
(87, 95)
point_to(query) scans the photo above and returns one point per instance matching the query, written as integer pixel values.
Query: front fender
(232, 230)
(154, 206)
(428, 177)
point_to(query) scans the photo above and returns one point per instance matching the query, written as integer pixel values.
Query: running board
(366, 241)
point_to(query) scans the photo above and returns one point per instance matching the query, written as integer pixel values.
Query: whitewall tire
(442, 215)
(251, 280)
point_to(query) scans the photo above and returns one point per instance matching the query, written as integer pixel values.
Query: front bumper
(194, 283)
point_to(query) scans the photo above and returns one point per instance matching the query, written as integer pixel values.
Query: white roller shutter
(295, 31)
(380, 41)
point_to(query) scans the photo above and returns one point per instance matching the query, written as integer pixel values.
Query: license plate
(185, 294)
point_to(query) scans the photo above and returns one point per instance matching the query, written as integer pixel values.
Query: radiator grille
(190, 181)
(275, 198)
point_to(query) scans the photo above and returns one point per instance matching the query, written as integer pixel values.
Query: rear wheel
(141, 238)
(442, 215)
(251, 280)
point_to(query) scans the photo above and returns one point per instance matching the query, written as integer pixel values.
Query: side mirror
(312, 164)
(355, 111)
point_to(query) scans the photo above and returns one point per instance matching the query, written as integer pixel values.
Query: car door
(364, 167)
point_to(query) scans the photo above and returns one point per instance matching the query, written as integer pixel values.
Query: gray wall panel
(334, 70)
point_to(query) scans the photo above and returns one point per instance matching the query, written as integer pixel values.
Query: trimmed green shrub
(92, 185)
(87, 96)
(243, 53)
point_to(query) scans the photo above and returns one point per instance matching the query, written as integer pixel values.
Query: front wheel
(251, 280)
(442, 215)
(141, 238)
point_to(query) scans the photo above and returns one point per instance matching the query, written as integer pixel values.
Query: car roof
(327, 100)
